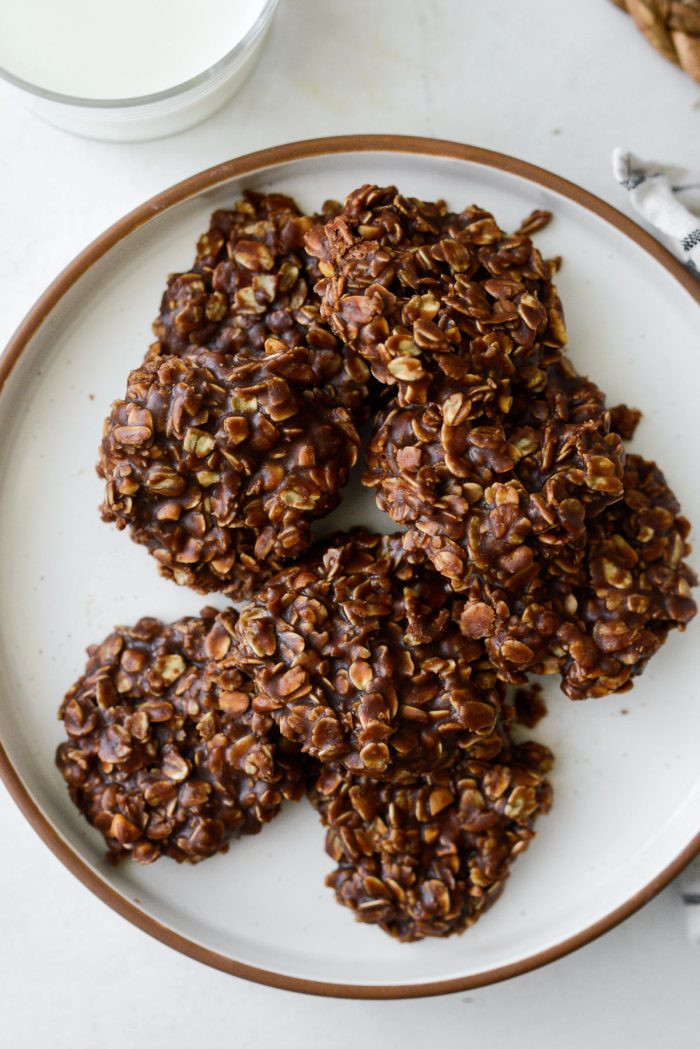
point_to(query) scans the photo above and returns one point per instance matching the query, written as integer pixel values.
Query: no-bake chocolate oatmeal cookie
(252, 280)
(428, 296)
(428, 858)
(220, 465)
(165, 757)
(502, 499)
(599, 625)
(358, 658)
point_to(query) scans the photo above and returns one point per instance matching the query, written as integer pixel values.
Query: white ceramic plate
(627, 783)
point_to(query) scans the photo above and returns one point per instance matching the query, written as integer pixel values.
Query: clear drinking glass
(154, 115)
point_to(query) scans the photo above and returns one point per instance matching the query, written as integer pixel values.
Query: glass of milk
(132, 69)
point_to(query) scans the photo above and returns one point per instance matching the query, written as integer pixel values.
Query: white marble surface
(555, 82)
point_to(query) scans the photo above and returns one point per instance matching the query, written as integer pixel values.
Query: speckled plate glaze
(627, 782)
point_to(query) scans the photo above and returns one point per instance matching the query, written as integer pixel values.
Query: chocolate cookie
(252, 280)
(219, 465)
(358, 658)
(426, 295)
(638, 586)
(599, 623)
(509, 500)
(428, 858)
(165, 757)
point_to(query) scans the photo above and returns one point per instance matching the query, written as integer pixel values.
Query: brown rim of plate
(248, 165)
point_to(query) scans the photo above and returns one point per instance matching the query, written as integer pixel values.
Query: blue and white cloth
(668, 198)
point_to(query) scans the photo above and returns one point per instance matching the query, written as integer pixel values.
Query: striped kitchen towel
(668, 197)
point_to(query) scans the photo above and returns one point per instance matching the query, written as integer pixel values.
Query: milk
(118, 49)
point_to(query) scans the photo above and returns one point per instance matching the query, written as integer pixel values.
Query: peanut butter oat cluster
(369, 670)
